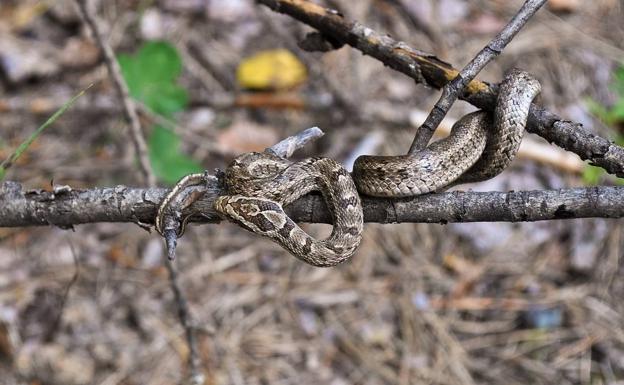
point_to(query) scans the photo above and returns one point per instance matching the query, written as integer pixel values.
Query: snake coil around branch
(479, 147)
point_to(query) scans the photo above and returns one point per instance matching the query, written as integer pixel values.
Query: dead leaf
(275, 69)
(79, 53)
(246, 136)
(275, 100)
(119, 256)
(22, 58)
(6, 344)
(484, 24)
(54, 364)
(20, 16)
(564, 6)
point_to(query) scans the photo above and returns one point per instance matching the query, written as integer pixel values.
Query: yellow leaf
(24, 14)
(275, 69)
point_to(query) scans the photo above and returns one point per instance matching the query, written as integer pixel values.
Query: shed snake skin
(479, 147)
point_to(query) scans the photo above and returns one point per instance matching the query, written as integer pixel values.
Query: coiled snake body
(259, 185)
(479, 147)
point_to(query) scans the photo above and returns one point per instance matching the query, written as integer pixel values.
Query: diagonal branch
(130, 110)
(427, 69)
(122, 92)
(66, 207)
(451, 90)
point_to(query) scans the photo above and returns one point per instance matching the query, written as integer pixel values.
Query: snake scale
(261, 183)
(479, 147)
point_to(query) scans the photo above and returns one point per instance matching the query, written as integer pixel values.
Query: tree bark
(66, 207)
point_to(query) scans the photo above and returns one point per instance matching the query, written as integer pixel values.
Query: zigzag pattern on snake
(259, 185)
(479, 147)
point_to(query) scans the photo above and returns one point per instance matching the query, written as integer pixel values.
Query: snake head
(251, 168)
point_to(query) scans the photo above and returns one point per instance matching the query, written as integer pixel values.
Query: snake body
(479, 147)
(260, 184)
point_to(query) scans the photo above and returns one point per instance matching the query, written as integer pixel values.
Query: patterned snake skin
(259, 185)
(478, 148)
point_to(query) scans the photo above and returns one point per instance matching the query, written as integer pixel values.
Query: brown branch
(425, 68)
(184, 315)
(285, 148)
(66, 208)
(451, 90)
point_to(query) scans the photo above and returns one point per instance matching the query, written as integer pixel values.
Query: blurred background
(496, 303)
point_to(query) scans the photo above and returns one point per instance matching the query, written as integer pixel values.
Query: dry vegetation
(492, 303)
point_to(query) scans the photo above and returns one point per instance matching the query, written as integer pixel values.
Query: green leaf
(164, 99)
(162, 61)
(164, 152)
(615, 114)
(592, 175)
(617, 111)
(618, 83)
(151, 76)
(8, 162)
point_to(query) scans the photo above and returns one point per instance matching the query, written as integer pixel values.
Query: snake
(260, 184)
(480, 146)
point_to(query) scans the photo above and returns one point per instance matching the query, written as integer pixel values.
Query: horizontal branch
(427, 69)
(65, 207)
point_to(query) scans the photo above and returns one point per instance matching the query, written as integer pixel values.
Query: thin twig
(20, 208)
(184, 315)
(451, 90)
(123, 93)
(425, 68)
(285, 148)
(54, 327)
(196, 377)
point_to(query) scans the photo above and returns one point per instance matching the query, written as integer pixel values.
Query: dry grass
(455, 304)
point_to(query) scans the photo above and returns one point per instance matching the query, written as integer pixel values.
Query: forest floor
(497, 303)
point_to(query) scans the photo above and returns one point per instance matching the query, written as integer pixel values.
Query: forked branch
(66, 207)
(451, 90)
(427, 69)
